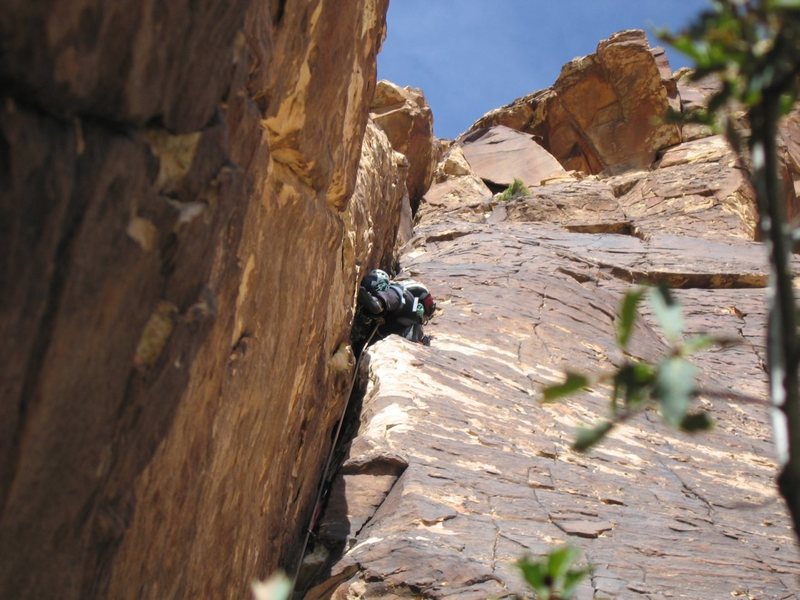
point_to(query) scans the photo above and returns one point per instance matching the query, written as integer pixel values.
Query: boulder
(453, 164)
(407, 120)
(605, 111)
(499, 155)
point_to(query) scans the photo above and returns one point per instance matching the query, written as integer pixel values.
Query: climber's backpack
(421, 295)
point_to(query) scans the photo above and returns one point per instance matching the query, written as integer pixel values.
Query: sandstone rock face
(603, 112)
(457, 469)
(501, 154)
(694, 95)
(180, 257)
(120, 64)
(790, 138)
(407, 120)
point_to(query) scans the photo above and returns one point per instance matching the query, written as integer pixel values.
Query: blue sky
(470, 56)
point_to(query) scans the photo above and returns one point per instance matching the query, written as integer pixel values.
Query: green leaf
(560, 560)
(633, 382)
(586, 437)
(674, 387)
(788, 99)
(553, 576)
(785, 4)
(687, 46)
(535, 575)
(697, 421)
(574, 383)
(667, 312)
(573, 579)
(629, 310)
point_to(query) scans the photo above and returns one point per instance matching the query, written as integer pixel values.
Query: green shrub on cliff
(517, 189)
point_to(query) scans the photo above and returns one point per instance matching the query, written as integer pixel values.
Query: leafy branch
(554, 577)
(753, 47)
(637, 384)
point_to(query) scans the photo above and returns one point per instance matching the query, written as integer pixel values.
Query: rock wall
(404, 114)
(599, 115)
(181, 245)
(458, 469)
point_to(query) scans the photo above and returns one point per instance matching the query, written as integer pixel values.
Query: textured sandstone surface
(457, 469)
(182, 240)
(181, 243)
(404, 114)
(603, 113)
(501, 154)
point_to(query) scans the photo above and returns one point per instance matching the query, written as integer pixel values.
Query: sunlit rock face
(184, 223)
(605, 111)
(499, 155)
(404, 114)
(457, 469)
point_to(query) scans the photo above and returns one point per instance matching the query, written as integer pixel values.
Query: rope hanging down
(321, 485)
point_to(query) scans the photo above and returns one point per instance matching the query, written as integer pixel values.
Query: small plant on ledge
(517, 189)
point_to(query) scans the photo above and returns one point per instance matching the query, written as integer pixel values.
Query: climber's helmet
(377, 281)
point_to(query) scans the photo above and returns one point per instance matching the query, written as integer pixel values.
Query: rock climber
(395, 307)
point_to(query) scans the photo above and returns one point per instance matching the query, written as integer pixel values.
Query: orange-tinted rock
(695, 95)
(529, 287)
(407, 120)
(667, 78)
(176, 307)
(603, 113)
(457, 187)
(696, 187)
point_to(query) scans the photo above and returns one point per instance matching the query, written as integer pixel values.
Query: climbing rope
(321, 486)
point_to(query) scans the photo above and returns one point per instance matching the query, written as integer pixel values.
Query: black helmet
(376, 281)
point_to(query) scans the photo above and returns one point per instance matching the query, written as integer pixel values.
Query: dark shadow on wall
(330, 526)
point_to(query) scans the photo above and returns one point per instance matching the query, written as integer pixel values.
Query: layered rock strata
(181, 245)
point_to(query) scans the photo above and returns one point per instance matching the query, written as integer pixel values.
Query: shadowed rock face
(483, 472)
(181, 242)
(121, 63)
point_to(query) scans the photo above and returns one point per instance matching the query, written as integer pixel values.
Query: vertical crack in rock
(539, 321)
(62, 257)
